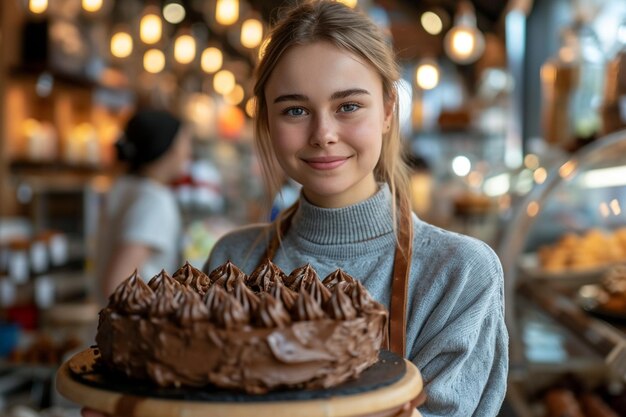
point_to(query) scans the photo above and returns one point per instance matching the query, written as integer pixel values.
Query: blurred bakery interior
(514, 116)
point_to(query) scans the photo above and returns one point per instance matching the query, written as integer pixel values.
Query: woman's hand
(410, 409)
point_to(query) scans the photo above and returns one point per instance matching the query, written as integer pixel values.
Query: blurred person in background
(142, 223)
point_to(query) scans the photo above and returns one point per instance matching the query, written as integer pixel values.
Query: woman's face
(327, 118)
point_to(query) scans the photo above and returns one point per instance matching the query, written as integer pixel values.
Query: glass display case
(563, 241)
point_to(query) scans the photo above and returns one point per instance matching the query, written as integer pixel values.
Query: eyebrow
(336, 95)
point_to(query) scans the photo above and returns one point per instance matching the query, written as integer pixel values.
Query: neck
(365, 189)
(155, 175)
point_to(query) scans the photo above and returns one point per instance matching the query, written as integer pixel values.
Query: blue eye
(294, 111)
(349, 107)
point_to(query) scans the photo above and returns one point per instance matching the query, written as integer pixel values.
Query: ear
(389, 108)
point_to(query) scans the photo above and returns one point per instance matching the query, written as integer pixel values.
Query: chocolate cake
(255, 333)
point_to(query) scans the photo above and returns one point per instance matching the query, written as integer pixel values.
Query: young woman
(142, 223)
(327, 115)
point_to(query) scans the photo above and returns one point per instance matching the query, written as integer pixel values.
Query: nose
(323, 131)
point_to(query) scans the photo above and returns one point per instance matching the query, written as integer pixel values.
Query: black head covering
(147, 136)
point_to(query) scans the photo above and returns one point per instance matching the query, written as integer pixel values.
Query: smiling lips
(326, 162)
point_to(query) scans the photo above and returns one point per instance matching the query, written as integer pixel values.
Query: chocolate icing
(339, 306)
(191, 308)
(307, 308)
(281, 292)
(174, 336)
(301, 277)
(336, 277)
(271, 313)
(193, 278)
(164, 303)
(160, 279)
(265, 276)
(132, 296)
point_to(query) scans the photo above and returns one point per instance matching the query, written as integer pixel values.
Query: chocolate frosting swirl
(361, 298)
(213, 299)
(193, 278)
(226, 274)
(283, 294)
(165, 303)
(264, 276)
(162, 279)
(132, 296)
(271, 313)
(301, 277)
(231, 314)
(339, 306)
(191, 308)
(248, 299)
(336, 277)
(318, 291)
(307, 309)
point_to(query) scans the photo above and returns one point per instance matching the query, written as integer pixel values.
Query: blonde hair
(350, 30)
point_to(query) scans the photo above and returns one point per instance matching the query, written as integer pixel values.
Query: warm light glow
(604, 210)
(211, 60)
(185, 49)
(531, 161)
(461, 166)
(150, 28)
(174, 13)
(567, 169)
(615, 207)
(121, 44)
(224, 82)
(532, 209)
(251, 107)
(431, 22)
(350, 3)
(231, 121)
(427, 75)
(154, 61)
(227, 12)
(92, 5)
(605, 177)
(251, 33)
(498, 185)
(37, 6)
(475, 179)
(540, 175)
(235, 96)
(464, 43)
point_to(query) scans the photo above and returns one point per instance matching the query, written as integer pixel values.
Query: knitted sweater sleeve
(462, 348)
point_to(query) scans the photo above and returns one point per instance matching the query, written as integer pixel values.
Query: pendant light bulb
(251, 33)
(184, 49)
(464, 43)
(92, 6)
(38, 6)
(227, 12)
(121, 44)
(150, 28)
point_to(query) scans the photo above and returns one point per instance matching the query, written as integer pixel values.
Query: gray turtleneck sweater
(455, 334)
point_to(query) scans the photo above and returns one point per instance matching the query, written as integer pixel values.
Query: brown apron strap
(400, 283)
(284, 221)
(401, 268)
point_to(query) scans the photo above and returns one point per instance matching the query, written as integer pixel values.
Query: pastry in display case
(564, 259)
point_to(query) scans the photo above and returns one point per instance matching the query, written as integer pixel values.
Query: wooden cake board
(382, 402)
